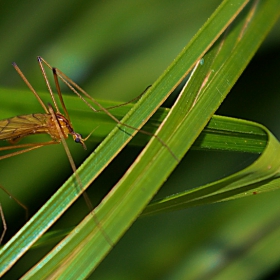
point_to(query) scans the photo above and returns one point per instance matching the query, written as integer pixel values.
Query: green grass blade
(229, 134)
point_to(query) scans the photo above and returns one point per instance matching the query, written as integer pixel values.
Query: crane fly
(53, 123)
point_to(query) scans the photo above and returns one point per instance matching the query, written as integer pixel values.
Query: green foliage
(225, 56)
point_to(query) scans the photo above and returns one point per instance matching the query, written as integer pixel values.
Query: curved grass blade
(261, 176)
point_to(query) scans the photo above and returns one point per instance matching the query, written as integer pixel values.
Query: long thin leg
(76, 89)
(48, 83)
(17, 201)
(30, 87)
(69, 83)
(4, 224)
(35, 146)
(55, 70)
(60, 94)
(128, 102)
(27, 147)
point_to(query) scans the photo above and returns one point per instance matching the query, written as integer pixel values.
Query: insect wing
(21, 126)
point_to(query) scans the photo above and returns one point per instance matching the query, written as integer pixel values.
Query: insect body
(15, 128)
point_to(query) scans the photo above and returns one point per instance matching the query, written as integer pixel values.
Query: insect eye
(78, 138)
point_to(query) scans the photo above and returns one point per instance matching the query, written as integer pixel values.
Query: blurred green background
(114, 50)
